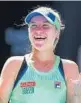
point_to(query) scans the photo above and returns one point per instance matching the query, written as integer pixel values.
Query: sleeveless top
(32, 86)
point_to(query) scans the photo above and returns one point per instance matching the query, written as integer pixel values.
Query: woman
(41, 76)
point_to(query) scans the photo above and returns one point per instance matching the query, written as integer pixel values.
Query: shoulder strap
(61, 69)
(21, 72)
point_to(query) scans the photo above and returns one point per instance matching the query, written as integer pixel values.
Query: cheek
(31, 33)
(30, 36)
(52, 35)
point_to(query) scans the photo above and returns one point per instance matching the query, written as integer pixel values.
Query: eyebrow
(35, 22)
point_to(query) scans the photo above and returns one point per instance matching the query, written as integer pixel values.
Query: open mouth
(40, 38)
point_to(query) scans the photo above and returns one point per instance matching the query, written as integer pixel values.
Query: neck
(44, 60)
(43, 55)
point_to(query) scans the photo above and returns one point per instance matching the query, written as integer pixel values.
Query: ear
(56, 41)
(57, 34)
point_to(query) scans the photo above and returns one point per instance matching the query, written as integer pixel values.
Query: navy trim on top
(24, 67)
(21, 72)
(61, 69)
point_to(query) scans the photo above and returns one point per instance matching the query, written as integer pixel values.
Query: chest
(34, 87)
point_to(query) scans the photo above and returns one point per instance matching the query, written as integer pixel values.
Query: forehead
(39, 18)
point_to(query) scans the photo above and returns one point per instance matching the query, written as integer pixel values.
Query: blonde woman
(41, 76)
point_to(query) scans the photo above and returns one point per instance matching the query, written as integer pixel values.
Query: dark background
(12, 12)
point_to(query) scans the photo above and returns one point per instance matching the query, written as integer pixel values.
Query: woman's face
(42, 34)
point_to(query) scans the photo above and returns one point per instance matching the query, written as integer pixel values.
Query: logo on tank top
(57, 84)
(27, 87)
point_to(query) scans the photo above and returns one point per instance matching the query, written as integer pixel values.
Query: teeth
(39, 37)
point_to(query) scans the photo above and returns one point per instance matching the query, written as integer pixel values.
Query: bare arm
(71, 74)
(8, 76)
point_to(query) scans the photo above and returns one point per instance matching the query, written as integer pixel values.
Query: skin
(40, 27)
(44, 53)
(43, 57)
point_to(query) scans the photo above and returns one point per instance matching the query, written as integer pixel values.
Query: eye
(32, 25)
(46, 25)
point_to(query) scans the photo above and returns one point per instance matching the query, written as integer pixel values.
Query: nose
(39, 30)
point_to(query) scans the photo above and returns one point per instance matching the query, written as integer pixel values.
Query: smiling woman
(41, 76)
(42, 33)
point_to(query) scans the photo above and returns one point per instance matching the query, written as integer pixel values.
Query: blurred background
(14, 38)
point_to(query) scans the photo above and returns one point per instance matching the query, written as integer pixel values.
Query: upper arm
(8, 76)
(71, 69)
(71, 74)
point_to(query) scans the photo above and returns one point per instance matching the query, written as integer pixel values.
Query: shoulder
(12, 66)
(13, 60)
(70, 68)
(69, 63)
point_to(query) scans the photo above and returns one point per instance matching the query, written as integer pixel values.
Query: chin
(40, 49)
